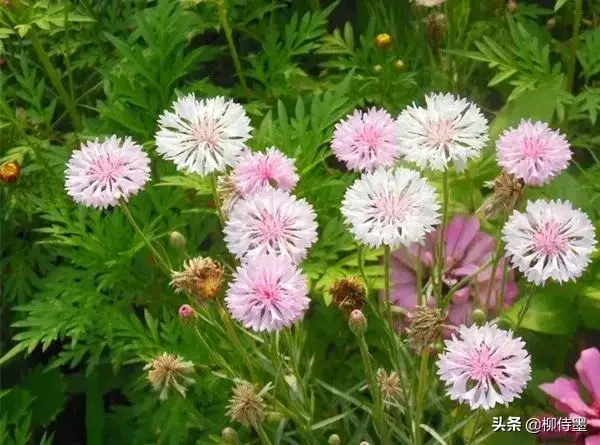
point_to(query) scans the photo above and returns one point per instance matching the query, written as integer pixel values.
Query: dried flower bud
(201, 278)
(228, 194)
(389, 386)
(177, 240)
(186, 312)
(357, 322)
(399, 66)
(479, 317)
(229, 436)
(246, 405)
(383, 41)
(10, 172)
(168, 370)
(348, 294)
(508, 190)
(426, 327)
(334, 439)
(437, 25)
(512, 6)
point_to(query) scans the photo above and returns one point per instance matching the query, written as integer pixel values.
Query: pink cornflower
(533, 152)
(256, 171)
(102, 173)
(271, 221)
(484, 366)
(550, 239)
(566, 398)
(365, 141)
(186, 312)
(467, 250)
(268, 293)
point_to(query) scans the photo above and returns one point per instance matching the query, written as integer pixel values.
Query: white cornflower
(203, 136)
(271, 222)
(394, 208)
(449, 129)
(550, 240)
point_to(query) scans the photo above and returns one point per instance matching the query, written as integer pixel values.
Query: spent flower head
(169, 371)
(201, 278)
(246, 404)
(507, 192)
(348, 294)
(426, 327)
(389, 386)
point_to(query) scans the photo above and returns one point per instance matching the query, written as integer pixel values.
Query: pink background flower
(566, 397)
(466, 250)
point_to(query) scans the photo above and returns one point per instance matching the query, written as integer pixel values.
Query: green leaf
(49, 390)
(559, 4)
(551, 311)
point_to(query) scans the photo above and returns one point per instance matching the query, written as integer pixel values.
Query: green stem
(419, 272)
(216, 199)
(163, 264)
(361, 264)
(577, 16)
(234, 54)
(420, 402)
(386, 284)
(233, 337)
(67, 100)
(264, 438)
(475, 426)
(525, 307)
(441, 249)
(379, 414)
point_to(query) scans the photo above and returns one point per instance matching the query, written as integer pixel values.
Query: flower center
(267, 293)
(206, 132)
(371, 138)
(272, 228)
(549, 240)
(393, 208)
(483, 365)
(106, 168)
(532, 148)
(440, 132)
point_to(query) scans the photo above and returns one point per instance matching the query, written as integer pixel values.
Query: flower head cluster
(102, 173)
(268, 293)
(246, 405)
(273, 222)
(566, 398)
(256, 171)
(203, 136)
(448, 130)
(550, 239)
(169, 371)
(391, 208)
(467, 250)
(365, 141)
(533, 152)
(484, 366)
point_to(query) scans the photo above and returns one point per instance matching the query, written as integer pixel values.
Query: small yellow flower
(383, 41)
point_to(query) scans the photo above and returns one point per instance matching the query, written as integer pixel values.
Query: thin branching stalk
(162, 263)
(224, 20)
(441, 245)
(216, 199)
(525, 308)
(420, 401)
(264, 438)
(387, 303)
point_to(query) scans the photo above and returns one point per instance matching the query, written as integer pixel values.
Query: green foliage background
(83, 306)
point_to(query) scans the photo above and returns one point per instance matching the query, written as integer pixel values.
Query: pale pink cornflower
(550, 239)
(365, 141)
(391, 208)
(533, 152)
(256, 171)
(271, 221)
(449, 129)
(203, 136)
(102, 173)
(268, 293)
(484, 366)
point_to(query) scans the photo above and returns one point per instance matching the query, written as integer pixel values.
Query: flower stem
(420, 402)
(163, 264)
(525, 307)
(67, 100)
(229, 328)
(216, 199)
(234, 54)
(379, 414)
(386, 285)
(475, 426)
(264, 438)
(441, 249)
